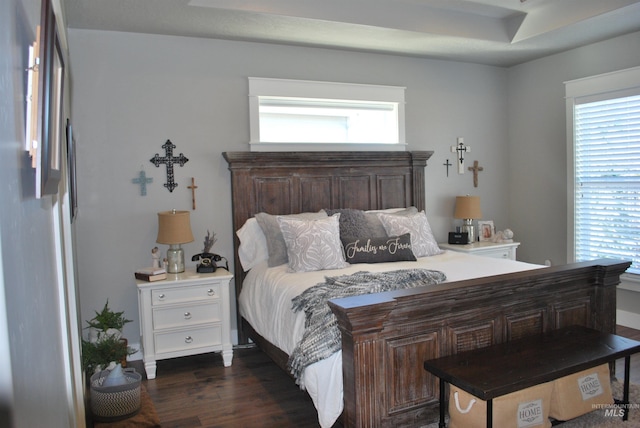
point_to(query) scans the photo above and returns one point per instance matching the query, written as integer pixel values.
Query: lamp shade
(174, 227)
(468, 207)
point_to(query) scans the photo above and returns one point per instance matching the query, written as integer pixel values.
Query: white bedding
(265, 302)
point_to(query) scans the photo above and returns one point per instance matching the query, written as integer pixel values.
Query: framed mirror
(50, 105)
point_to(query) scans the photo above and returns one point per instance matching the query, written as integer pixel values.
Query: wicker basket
(113, 403)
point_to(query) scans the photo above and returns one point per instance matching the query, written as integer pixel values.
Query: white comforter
(265, 302)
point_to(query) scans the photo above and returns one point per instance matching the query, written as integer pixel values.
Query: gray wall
(34, 370)
(538, 151)
(132, 92)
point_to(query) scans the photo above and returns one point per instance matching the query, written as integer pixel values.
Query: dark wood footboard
(386, 337)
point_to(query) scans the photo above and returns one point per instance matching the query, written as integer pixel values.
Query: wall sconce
(174, 228)
(468, 209)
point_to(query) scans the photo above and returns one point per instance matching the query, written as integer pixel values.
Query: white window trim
(599, 86)
(630, 282)
(260, 86)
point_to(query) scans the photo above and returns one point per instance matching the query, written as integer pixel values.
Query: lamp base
(175, 259)
(468, 227)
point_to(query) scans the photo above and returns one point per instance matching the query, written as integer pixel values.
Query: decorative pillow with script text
(379, 250)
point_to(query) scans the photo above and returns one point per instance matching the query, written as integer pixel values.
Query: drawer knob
(187, 315)
(161, 296)
(210, 292)
(188, 339)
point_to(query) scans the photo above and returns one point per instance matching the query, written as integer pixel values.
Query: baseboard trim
(628, 319)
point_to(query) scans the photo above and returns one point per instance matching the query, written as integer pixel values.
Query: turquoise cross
(142, 180)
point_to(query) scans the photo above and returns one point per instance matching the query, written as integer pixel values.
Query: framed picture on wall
(49, 110)
(486, 230)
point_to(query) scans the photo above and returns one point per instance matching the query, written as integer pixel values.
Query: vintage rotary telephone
(208, 261)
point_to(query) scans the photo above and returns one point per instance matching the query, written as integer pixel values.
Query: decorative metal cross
(460, 149)
(447, 164)
(142, 180)
(475, 168)
(193, 188)
(169, 160)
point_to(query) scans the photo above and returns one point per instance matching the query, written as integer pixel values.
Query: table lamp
(174, 228)
(468, 209)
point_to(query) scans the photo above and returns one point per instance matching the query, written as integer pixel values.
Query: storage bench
(508, 367)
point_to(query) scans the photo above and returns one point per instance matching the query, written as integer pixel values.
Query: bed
(385, 337)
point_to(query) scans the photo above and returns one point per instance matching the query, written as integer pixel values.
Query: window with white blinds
(607, 178)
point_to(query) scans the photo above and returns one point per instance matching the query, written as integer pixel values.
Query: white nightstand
(498, 250)
(186, 314)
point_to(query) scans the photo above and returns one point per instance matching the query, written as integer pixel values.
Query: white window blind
(607, 179)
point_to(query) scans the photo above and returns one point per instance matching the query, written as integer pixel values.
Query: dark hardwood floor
(199, 391)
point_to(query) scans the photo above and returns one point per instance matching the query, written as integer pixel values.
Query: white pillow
(253, 244)
(423, 242)
(313, 244)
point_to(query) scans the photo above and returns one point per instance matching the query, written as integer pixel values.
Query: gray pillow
(275, 241)
(357, 223)
(423, 243)
(375, 226)
(313, 244)
(353, 223)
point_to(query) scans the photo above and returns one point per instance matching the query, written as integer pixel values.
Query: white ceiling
(495, 32)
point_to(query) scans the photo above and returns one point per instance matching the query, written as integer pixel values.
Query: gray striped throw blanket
(321, 336)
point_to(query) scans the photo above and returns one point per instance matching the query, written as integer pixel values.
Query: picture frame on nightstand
(486, 230)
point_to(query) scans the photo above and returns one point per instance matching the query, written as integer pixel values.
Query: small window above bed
(307, 115)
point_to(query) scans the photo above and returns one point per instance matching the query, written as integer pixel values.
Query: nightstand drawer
(502, 255)
(183, 316)
(496, 250)
(185, 294)
(496, 254)
(193, 338)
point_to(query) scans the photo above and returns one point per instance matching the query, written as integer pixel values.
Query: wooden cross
(168, 159)
(142, 180)
(447, 164)
(475, 168)
(193, 188)
(460, 149)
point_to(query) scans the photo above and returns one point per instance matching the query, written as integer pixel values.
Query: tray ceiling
(494, 32)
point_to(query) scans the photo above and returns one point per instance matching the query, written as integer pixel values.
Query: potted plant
(106, 322)
(99, 355)
(105, 344)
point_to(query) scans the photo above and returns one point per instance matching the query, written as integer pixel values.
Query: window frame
(611, 85)
(272, 87)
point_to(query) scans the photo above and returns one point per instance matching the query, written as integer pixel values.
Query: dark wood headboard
(294, 182)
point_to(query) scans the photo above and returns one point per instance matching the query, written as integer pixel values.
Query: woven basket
(114, 403)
